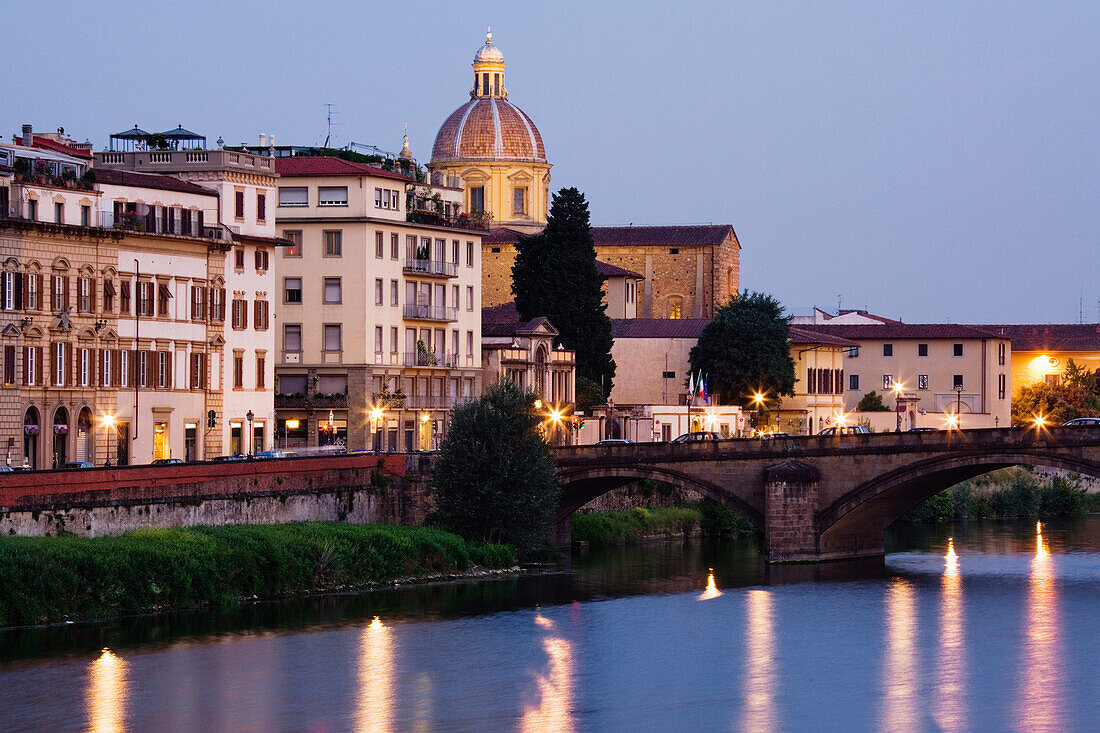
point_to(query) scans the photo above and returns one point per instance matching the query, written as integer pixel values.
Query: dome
(488, 128)
(488, 52)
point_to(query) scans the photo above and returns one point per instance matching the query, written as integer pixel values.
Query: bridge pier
(790, 504)
(561, 534)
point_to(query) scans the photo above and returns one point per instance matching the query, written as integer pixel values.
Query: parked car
(222, 459)
(614, 441)
(6, 469)
(1082, 422)
(272, 454)
(922, 430)
(846, 430)
(166, 461)
(75, 465)
(773, 436)
(697, 437)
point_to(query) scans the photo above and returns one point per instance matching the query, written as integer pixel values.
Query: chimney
(263, 140)
(28, 135)
(271, 140)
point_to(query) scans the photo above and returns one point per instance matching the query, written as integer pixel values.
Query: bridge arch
(582, 484)
(869, 508)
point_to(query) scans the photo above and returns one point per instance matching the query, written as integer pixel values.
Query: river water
(980, 626)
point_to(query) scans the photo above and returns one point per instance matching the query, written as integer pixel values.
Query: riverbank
(1006, 493)
(697, 518)
(50, 579)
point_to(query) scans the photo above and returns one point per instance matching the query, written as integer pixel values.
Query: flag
(702, 387)
(691, 386)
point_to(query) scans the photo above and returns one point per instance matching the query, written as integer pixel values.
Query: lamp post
(758, 401)
(897, 405)
(376, 413)
(958, 404)
(611, 419)
(250, 416)
(108, 422)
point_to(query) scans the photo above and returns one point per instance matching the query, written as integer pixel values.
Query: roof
(45, 142)
(134, 133)
(276, 241)
(662, 236)
(488, 128)
(799, 335)
(324, 165)
(901, 331)
(501, 236)
(181, 134)
(504, 320)
(609, 270)
(657, 328)
(1049, 337)
(116, 177)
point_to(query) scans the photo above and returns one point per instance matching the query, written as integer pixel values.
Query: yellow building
(1040, 352)
(497, 151)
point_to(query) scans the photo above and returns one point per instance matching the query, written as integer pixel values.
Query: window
(454, 297)
(332, 337)
(477, 199)
(332, 290)
(9, 365)
(393, 339)
(394, 292)
(519, 200)
(292, 290)
(238, 209)
(260, 312)
(261, 364)
(293, 196)
(31, 358)
(292, 337)
(164, 370)
(261, 259)
(395, 200)
(454, 251)
(956, 380)
(240, 313)
(1053, 380)
(922, 349)
(334, 244)
(379, 246)
(332, 196)
(145, 299)
(59, 213)
(1001, 354)
(378, 339)
(922, 381)
(469, 254)
(956, 349)
(32, 291)
(853, 381)
(60, 292)
(163, 296)
(887, 349)
(32, 210)
(108, 296)
(124, 361)
(1001, 386)
(217, 304)
(143, 368)
(238, 259)
(378, 291)
(674, 250)
(85, 366)
(105, 374)
(238, 371)
(853, 352)
(887, 381)
(294, 236)
(395, 247)
(84, 295)
(124, 303)
(378, 198)
(85, 216)
(261, 206)
(469, 345)
(469, 297)
(675, 307)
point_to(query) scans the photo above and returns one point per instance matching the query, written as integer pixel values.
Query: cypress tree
(555, 276)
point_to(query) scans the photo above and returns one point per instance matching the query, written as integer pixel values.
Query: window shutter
(93, 286)
(205, 370)
(38, 289)
(3, 291)
(221, 311)
(257, 315)
(153, 370)
(168, 368)
(26, 361)
(65, 292)
(19, 302)
(69, 365)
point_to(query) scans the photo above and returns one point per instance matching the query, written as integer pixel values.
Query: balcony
(478, 222)
(431, 313)
(316, 401)
(431, 267)
(429, 359)
(563, 357)
(434, 402)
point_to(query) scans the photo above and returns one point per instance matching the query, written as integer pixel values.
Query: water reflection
(712, 588)
(1042, 679)
(375, 701)
(949, 712)
(900, 702)
(759, 714)
(554, 711)
(107, 694)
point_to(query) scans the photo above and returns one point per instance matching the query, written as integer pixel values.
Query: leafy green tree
(745, 350)
(872, 402)
(1079, 376)
(1055, 402)
(555, 276)
(496, 480)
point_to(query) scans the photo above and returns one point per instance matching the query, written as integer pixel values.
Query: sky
(928, 161)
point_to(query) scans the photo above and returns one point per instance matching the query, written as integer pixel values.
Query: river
(979, 626)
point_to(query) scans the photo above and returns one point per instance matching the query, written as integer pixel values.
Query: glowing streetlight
(1040, 422)
(108, 422)
(897, 404)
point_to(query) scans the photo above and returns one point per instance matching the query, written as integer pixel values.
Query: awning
(165, 293)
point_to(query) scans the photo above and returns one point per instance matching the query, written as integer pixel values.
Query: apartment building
(379, 317)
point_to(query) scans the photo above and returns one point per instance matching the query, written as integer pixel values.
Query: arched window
(31, 428)
(60, 437)
(675, 306)
(541, 359)
(84, 435)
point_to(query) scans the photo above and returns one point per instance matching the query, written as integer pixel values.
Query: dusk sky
(930, 161)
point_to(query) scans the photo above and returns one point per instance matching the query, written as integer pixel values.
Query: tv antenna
(328, 116)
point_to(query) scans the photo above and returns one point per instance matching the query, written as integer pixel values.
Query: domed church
(497, 151)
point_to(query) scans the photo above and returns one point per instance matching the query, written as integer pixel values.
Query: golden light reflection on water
(555, 708)
(375, 710)
(900, 704)
(949, 711)
(1042, 679)
(107, 694)
(759, 713)
(712, 588)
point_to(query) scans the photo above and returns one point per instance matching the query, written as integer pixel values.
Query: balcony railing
(429, 359)
(462, 221)
(434, 402)
(431, 267)
(563, 357)
(430, 313)
(315, 401)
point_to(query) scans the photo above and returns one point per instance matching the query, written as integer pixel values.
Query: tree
(745, 350)
(1056, 403)
(496, 480)
(872, 402)
(555, 276)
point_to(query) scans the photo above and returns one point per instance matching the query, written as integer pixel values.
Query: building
(496, 151)
(379, 316)
(818, 400)
(1041, 352)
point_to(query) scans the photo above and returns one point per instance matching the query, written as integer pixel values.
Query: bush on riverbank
(54, 578)
(634, 525)
(1011, 492)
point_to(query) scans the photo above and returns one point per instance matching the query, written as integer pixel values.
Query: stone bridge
(820, 497)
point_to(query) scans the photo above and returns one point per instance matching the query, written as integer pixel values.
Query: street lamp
(108, 421)
(758, 401)
(250, 416)
(376, 413)
(958, 404)
(289, 425)
(897, 404)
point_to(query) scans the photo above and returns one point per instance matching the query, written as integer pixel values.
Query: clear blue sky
(930, 161)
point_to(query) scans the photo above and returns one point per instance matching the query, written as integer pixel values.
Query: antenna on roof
(838, 304)
(329, 118)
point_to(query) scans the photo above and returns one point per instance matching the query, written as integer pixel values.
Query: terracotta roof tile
(609, 270)
(323, 165)
(800, 335)
(653, 328)
(487, 128)
(1049, 336)
(118, 177)
(903, 331)
(662, 236)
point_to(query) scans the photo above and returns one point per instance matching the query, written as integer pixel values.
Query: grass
(1009, 492)
(634, 525)
(50, 579)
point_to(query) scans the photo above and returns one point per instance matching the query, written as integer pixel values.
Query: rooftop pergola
(176, 139)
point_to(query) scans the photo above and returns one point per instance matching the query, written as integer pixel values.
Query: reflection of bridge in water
(821, 497)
